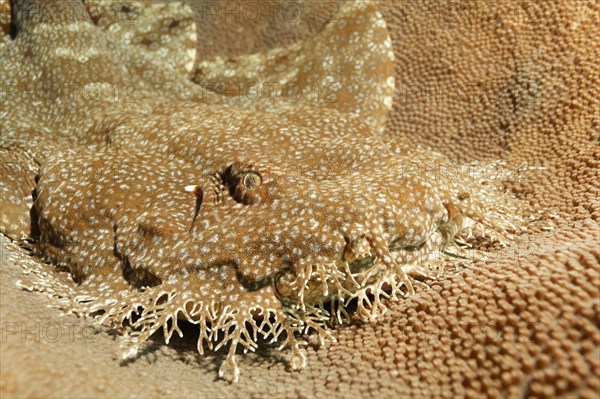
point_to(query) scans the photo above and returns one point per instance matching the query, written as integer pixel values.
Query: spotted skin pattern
(164, 206)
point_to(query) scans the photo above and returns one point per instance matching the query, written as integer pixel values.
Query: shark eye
(252, 180)
(247, 185)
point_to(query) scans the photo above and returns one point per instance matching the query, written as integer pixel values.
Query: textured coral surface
(475, 81)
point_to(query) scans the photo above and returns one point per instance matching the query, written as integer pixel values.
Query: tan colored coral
(478, 80)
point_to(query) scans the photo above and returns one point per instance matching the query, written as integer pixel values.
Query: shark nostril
(282, 284)
(357, 248)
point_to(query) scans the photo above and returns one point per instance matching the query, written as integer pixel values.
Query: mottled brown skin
(246, 220)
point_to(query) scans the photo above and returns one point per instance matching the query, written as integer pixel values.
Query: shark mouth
(372, 268)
